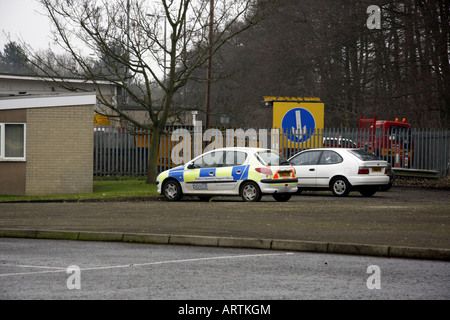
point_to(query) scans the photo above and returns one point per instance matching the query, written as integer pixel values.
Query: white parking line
(27, 266)
(58, 269)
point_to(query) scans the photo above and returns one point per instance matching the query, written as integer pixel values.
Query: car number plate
(285, 174)
(376, 169)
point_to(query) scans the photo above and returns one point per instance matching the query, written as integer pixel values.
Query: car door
(305, 164)
(232, 172)
(200, 175)
(329, 165)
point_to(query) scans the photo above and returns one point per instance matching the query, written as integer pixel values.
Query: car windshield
(271, 158)
(364, 155)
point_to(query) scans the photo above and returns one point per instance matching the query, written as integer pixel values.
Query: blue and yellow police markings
(210, 179)
(177, 173)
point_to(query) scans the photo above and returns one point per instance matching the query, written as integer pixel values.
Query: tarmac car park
(248, 172)
(341, 170)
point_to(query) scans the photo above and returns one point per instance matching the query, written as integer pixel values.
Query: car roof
(248, 149)
(334, 149)
(322, 149)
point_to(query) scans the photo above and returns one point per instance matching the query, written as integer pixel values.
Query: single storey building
(46, 144)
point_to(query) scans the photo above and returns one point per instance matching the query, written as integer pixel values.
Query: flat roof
(8, 76)
(47, 101)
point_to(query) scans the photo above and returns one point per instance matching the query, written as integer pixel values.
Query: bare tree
(324, 48)
(144, 48)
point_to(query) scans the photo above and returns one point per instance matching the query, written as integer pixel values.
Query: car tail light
(388, 170)
(265, 171)
(363, 170)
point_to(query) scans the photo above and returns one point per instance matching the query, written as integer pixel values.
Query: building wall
(12, 178)
(59, 149)
(19, 115)
(12, 174)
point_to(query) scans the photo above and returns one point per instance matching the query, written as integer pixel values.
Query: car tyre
(250, 192)
(172, 190)
(368, 191)
(340, 187)
(282, 197)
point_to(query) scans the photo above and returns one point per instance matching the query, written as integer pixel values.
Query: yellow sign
(100, 120)
(269, 98)
(297, 118)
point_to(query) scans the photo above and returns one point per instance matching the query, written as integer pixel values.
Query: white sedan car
(248, 172)
(341, 170)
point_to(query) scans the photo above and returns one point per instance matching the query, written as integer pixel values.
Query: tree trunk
(152, 166)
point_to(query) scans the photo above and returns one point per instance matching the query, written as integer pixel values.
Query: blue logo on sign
(298, 124)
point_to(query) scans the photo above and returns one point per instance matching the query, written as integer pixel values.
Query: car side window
(330, 157)
(210, 160)
(235, 158)
(306, 158)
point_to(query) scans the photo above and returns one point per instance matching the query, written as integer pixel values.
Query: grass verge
(102, 189)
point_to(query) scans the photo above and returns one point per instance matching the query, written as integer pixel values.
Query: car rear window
(364, 155)
(271, 158)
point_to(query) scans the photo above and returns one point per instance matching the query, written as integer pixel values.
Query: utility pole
(209, 72)
(127, 76)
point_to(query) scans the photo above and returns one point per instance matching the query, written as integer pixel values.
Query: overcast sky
(21, 19)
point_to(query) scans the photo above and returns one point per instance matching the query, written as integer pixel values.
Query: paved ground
(383, 224)
(38, 269)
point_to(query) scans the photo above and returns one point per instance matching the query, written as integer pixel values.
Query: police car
(248, 172)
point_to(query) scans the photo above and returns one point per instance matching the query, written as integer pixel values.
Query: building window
(12, 141)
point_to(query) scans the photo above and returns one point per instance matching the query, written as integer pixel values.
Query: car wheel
(172, 190)
(250, 192)
(368, 191)
(340, 187)
(282, 197)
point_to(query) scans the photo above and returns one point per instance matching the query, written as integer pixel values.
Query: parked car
(392, 179)
(340, 170)
(330, 142)
(248, 172)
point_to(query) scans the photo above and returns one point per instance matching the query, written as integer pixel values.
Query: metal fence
(119, 151)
